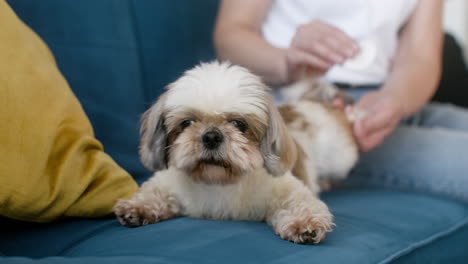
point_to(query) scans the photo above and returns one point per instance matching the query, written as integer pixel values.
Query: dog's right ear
(153, 144)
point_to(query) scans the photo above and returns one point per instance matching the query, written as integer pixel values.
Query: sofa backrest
(118, 55)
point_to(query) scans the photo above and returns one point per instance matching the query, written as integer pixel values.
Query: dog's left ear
(153, 152)
(278, 147)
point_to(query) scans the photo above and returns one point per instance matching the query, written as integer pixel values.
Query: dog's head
(217, 122)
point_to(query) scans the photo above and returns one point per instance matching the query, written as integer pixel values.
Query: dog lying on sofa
(221, 150)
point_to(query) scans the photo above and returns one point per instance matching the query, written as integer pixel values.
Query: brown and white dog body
(221, 150)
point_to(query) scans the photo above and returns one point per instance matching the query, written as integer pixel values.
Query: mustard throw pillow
(51, 165)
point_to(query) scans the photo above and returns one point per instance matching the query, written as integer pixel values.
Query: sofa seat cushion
(371, 227)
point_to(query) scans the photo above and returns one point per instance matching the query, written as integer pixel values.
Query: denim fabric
(427, 153)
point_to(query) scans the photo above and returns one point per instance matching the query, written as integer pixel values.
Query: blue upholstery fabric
(95, 48)
(372, 227)
(173, 37)
(117, 56)
(86, 260)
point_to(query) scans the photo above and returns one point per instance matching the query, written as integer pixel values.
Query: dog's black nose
(212, 139)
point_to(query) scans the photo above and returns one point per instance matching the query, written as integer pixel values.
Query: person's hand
(383, 113)
(316, 47)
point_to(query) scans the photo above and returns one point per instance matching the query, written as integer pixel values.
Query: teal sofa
(117, 56)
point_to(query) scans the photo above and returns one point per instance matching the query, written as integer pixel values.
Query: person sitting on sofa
(388, 55)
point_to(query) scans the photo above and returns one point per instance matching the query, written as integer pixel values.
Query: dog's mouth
(210, 170)
(215, 162)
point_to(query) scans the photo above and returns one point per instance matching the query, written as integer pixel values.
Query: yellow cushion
(51, 165)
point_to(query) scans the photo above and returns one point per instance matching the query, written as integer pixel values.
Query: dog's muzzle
(212, 139)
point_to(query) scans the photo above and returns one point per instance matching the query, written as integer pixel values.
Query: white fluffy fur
(218, 88)
(284, 202)
(330, 149)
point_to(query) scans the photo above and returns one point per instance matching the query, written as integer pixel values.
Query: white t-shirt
(373, 23)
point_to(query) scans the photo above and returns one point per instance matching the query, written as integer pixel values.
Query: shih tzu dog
(222, 150)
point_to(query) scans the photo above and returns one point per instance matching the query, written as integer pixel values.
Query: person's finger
(368, 140)
(367, 101)
(298, 57)
(332, 30)
(314, 45)
(322, 50)
(378, 120)
(339, 48)
(345, 47)
(325, 41)
(340, 41)
(375, 139)
(360, 131)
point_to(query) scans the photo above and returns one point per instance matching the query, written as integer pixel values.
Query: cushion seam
(414, 246)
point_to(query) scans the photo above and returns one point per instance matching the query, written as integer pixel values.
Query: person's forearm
(416, 69)
(246, 47)
(413, 84)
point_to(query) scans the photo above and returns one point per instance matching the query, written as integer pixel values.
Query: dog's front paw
(306, 230)
(145, 209)
(303, 222)
(131, 213)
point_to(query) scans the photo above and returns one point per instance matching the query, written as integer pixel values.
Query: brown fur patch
(214, 174)
(290, 116)
(340, 117)
(288, 113)
(299, 170)
(278, 142)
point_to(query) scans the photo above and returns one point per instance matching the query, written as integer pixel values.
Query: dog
(222, 150)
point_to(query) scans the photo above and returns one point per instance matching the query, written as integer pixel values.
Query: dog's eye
(186, 123)
(239, 124)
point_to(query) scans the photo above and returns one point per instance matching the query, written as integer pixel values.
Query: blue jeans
(427, 153)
